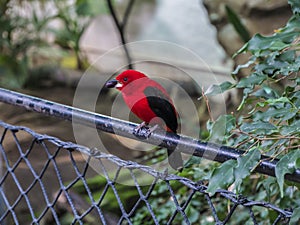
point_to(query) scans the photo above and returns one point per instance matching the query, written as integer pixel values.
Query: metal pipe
(108, 124)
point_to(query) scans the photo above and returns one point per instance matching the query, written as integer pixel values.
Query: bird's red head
(124, 79)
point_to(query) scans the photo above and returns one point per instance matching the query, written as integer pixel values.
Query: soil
(37, 157)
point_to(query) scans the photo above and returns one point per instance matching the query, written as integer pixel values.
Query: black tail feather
(175, 160)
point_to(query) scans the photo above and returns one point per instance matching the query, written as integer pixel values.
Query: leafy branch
(269, 113)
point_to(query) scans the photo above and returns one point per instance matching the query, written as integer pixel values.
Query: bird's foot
(143, 131)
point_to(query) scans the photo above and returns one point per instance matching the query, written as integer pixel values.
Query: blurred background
(47, 46)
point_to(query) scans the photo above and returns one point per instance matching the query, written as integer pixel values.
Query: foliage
(163, 206)
(269, 115)
(24, 36)
(19, 36)
(236, 22)
(267, 122)
(75, 18)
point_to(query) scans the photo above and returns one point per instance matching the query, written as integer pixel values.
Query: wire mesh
(48, 181)
(45, 180)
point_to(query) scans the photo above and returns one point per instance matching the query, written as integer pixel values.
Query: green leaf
(259, 43)
(287, 164)
(295, 216)
(295, 4)
(14, 72)
(246, 93)
(218, 89)
(269, 184)
(247, 64)
(251, 80)
(194, 160)
(287, 56)
(193, 214)
(244, 166)
(274, 65)
(221, 177)
(295, 98)
(293, 128)
(281, 114)
(258, 127)
(237, 24)
(219, 128)
(298, 163)
(273, 101)
(90, 7)
(266, 92)
(243, 49)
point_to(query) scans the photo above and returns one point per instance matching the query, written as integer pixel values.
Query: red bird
(151, 103)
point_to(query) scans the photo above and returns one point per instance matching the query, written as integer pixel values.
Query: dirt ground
(63, 130)
(37, 156)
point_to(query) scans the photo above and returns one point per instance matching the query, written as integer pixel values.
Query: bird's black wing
(160, 105)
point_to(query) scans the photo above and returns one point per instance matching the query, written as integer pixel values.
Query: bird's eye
(125, 79)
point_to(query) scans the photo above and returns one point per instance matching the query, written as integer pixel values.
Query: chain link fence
(81, 194)
(44, 180)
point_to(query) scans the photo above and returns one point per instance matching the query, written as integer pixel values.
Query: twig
(207, 104)
(121, 27)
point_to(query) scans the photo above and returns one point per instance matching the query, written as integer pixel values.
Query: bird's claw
(142, 132)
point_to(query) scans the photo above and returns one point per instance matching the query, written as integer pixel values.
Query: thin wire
(283, 215)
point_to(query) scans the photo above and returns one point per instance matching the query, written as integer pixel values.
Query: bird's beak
(113, 84)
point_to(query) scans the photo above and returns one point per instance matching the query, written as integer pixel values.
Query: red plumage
(148, 100)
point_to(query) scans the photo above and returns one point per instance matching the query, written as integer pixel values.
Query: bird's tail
(174, 156)
(175, 159)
